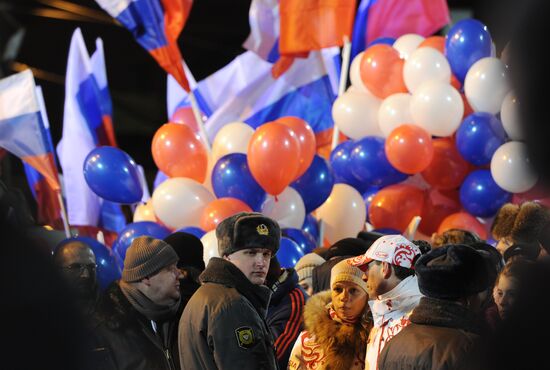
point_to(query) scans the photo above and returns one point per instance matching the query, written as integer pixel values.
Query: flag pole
(346, 52)
(200, 123)
(64, 215)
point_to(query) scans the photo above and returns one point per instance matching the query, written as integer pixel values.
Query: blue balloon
(368, 196)
(481, 196)
(370, 165)
(231, 177)
(311, 226)
(108, 263)
(113, 175)
(159, 179)
(467, 42)
(196, 231)
(289, 253)
(304, 240)
(340, 159)
(315, 185)
(478, 138)
(133, 230)
(383, 40)
(387, 231)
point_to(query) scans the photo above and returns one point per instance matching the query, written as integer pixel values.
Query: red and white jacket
(390, 312)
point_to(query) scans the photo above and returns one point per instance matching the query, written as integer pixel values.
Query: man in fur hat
(444, 326)
(223, 326)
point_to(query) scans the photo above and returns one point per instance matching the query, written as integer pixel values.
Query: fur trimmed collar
(220, 271)
(440, 312)
(341, 343)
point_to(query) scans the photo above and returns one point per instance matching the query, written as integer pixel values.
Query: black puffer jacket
(125, 339)
(442, 335)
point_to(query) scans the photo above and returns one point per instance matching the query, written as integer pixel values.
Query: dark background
(211, 38)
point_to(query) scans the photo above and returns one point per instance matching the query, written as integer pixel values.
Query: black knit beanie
(189, 249)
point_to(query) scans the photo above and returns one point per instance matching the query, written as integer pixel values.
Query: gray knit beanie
(145, 257)
(304, 267)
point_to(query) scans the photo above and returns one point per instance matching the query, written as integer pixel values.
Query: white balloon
(179, 202)
(437, 107)
(145, 212)
(425, 64)
(210, 246)
(486, 85)
(393, 112)
(511, 168)
(207, 183)
(406, 44)
(356, 114)
(355, 73)
(288, 210)
(343, 213)
(510, 117)
(231, 138)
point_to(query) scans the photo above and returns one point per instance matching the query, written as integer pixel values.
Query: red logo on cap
(381, 254)
(404, 256)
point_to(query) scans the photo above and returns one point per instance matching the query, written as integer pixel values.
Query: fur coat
(327, 343)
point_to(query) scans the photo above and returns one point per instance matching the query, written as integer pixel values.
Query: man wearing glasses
(77, 263)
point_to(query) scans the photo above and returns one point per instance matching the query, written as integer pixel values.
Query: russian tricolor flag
(394, 18)
(86, 125)
(156, 26)
(49, 209)
(245, 90)
(22, 130)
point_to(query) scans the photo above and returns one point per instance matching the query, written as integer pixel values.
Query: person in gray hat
(223, 326)
(137, 316)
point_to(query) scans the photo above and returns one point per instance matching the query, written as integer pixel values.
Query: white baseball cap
(393, 249)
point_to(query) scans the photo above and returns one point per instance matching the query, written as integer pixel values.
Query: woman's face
(504, 295)
(348, 300)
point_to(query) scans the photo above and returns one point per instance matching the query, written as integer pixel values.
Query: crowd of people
(370, 302)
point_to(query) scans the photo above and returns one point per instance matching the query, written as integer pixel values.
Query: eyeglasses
(78, 268)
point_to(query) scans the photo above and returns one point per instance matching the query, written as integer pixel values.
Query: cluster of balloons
(440, 112)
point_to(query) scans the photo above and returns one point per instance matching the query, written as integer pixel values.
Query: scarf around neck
(146, 307)
(397, 302)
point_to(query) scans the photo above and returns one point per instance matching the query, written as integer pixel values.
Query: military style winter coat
(445, 336)
(223, 325)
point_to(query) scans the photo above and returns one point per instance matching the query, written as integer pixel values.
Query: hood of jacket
(340, 342)
(220, 271)
(282, 287)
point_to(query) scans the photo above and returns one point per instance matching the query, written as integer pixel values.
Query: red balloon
(273, 156)
(436, 42)
(381, 71)
(438, 204)
(307, 141)
(465, 221)
(447, 169)
(220, 209)
(409, 149)
(178, 152)
(395, 206)
(456, 84)
(185, 116)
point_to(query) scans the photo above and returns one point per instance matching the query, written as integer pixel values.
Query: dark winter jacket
(125, 338)
(285, 314)
(223, 325)
(442, 335)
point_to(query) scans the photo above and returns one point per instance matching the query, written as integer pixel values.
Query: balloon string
(276, 199)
